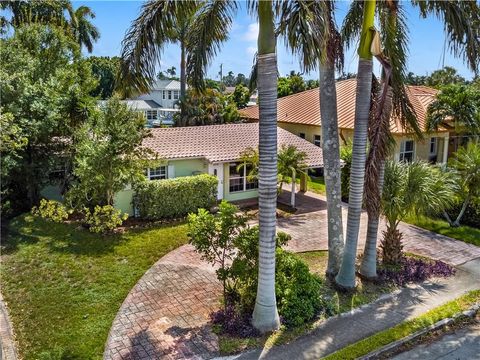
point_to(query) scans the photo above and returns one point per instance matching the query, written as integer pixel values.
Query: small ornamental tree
(109, 155)
(213, 237)
(290, 163)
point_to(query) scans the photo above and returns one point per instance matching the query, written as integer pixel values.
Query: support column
(303, 183)
(445, 150)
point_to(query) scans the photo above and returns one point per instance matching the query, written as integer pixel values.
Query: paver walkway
(463, 344)
(166, 314)
(7, 342)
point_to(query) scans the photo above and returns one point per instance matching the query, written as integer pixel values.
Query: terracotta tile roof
(221, 143)
(304, 107)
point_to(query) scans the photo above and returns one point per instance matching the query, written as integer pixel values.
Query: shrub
(104, 218)
(175, 197)
(413, 269)
(471, 217)
(234, 322)
(51, 210)
(299, 293)
(346, 156)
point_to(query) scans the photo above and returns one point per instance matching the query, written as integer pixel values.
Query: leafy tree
(205, 108)
(241, 80)
(229, 79)
(413, 79)
(411, 189)
(212, 84)
(311, 84)
(213, 236)
(109, 155)
(241, 96)
(445, 76)
(290, 163)
(45, 87)
(291, 84)
(172, 71)
(105, 69)
(466, 164)
(459, 104)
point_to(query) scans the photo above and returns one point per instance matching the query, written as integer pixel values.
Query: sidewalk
(340, 331)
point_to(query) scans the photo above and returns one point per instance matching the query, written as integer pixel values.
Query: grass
(406, 328)
(64, 285)
(366, 292)
(464, 233)
(315, 184)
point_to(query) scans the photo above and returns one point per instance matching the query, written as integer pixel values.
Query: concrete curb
(438, 325)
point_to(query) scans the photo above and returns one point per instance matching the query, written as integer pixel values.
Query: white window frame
(243, 176)
(175, 94)
(169, 94)
(317, 140)
(434, 142)
(158, 173)
(164, 95)
(149, 113)
(403, 152)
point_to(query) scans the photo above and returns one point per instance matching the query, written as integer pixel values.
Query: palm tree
(265, 314)
(200, 27)
(346, 275)
(466, 164)
(84, 32)
(457, 104)
(310, 32)
(290, 163)
(458, 17)
(411, 189)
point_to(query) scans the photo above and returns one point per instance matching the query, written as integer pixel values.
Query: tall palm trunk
(183, 76)
(346, 276)
(380, 144)
(331, 165)
(265, 314)
(294, 183)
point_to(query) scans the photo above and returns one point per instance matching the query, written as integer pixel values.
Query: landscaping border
(8, 349)
(387, 349)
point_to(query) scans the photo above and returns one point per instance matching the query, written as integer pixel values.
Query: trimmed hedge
(175, 198)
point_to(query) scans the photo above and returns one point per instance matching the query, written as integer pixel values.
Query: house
(159, 105)
(216, 150)
(300, 114)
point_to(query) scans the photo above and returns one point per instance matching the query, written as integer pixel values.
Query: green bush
(104, 218)
(175, 197)
(299, 293)
(346, 156)
(51, 210)
(471, 216)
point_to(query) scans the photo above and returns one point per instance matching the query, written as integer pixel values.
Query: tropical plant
(240, 96)
(411, 189)
(466, 164)
(109, 155)
(208, 107)
(103, 219)
(51, 210)
(200, 27)
(291, 162)
(457, 104)
(84, 32)
(443, 77)
(105, 69)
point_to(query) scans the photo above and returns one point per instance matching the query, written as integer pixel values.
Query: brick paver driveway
(166, 314)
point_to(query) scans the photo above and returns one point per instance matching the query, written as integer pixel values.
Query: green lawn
(464, 233)
(315, 184)
(64, 285)
(406, 328)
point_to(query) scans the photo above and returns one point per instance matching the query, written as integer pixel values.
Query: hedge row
(174, 198)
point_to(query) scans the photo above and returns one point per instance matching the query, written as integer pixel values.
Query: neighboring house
(300, 114)
(213, 149)
(155, 114)
(164, 92)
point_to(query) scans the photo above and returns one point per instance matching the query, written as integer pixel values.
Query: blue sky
(114, 17)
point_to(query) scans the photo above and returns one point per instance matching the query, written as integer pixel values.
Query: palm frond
(305, 27)
(207, 33)
(352, 24)
(144, 42)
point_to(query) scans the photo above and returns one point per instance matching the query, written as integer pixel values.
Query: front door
(217, 170)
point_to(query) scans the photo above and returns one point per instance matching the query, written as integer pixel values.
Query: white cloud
(252, 32)
(251, 50)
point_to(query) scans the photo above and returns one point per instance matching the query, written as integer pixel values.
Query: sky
(427, 39)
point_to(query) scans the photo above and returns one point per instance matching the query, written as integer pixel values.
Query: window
(302, 135)
(238, 179)
(151, 114)
(175, 95)
(169, 94)
(407, 150)
(159, 173)
(317, 140)
(164, 94)
(433, 145)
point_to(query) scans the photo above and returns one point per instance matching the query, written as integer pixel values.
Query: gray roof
(142, 104)
(166, 85)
